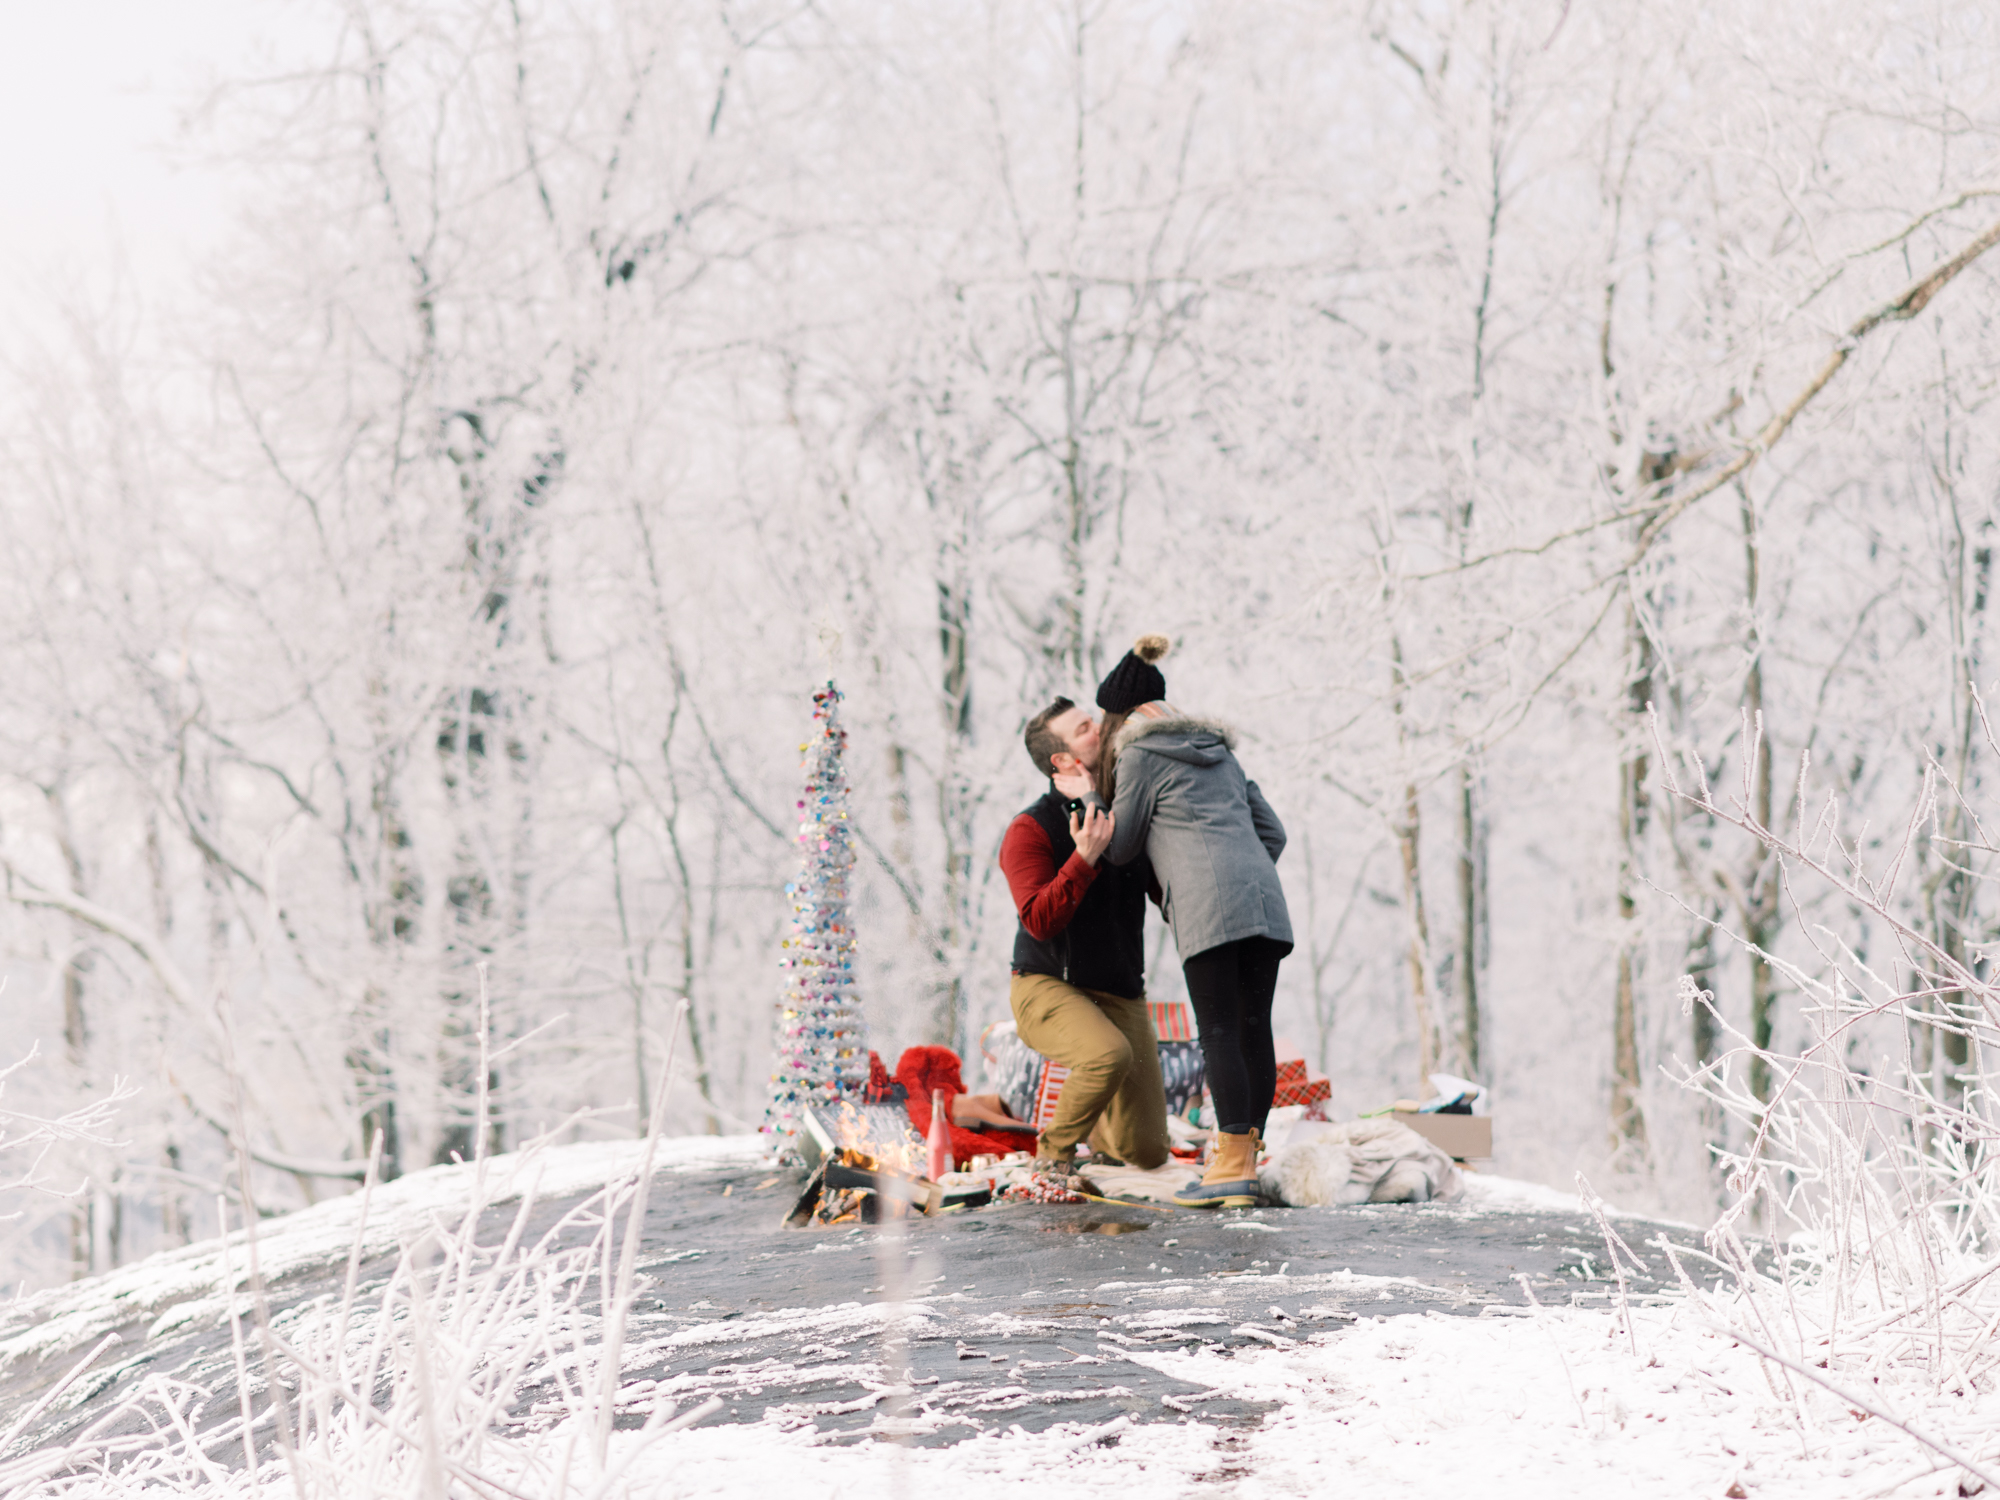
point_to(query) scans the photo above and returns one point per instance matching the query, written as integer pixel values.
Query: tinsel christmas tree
(822, 1038)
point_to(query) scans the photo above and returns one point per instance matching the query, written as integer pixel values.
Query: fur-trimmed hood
(1178, 736)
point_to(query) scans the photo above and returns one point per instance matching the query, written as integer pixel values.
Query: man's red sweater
(1046, 895)
(1080, 923)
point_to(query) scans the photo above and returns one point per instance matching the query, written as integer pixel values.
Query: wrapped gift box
(1046, 1095)
(1305, 1091)
(1183, 1073)
(1172, 1020)
(1296, 1086)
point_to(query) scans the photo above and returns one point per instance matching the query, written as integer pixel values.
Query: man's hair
(1044, 742)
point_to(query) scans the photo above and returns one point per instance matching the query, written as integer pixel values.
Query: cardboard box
(1462, 1137)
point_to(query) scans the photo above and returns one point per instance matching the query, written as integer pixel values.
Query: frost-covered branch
(1912, 300)
(24, 1134)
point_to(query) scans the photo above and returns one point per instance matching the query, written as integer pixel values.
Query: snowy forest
(1558, 436)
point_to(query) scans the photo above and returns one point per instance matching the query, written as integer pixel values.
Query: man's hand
(1091, 831)
(1075, 784)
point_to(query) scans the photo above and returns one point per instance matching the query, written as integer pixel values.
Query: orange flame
(859, 1147)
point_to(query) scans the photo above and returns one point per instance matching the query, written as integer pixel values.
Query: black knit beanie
(1135, 679)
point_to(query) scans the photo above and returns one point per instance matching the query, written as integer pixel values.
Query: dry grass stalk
(1857, 1245)
(420, 1395)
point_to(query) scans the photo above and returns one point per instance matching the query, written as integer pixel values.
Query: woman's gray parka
(1182, 799)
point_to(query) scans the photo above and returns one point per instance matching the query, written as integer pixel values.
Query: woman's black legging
(1231, 987)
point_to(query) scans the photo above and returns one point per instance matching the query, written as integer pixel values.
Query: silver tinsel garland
(822, 1042)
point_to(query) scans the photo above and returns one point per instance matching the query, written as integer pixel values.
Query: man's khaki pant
(1113, 1095)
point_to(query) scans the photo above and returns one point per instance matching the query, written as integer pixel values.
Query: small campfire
(867, 1169)
(850, 1187)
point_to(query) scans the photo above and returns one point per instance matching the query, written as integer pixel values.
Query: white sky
(89, 108)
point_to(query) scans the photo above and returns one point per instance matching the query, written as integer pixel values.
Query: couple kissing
(1147, 802)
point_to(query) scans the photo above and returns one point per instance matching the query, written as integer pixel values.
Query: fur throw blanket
(1360, 1161)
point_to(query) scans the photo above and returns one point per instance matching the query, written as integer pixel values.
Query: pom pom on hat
(1135, 679)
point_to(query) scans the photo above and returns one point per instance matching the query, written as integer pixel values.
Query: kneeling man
(1079, 991)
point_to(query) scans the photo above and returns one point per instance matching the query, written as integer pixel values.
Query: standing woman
(1177, 795)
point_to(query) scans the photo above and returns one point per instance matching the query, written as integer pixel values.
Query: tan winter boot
(1231, 1178)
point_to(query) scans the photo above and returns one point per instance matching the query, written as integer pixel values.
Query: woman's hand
(1075, 784)
(1091, 831)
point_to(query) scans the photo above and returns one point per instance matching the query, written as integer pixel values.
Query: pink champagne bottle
(940, 1136)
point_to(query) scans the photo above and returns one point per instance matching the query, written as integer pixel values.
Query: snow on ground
(1485, 1191)
(1537, 1408)
(187, 1284)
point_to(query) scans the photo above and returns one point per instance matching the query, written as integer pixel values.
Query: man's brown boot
(1231, 1178)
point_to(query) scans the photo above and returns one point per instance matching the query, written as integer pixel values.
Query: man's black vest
(1103, 948)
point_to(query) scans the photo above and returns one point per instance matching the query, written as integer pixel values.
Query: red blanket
(925, 1068)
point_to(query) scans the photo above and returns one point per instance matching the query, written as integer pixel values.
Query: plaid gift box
(1305, 1091)
(1172, 1020)
(1295, 1087)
